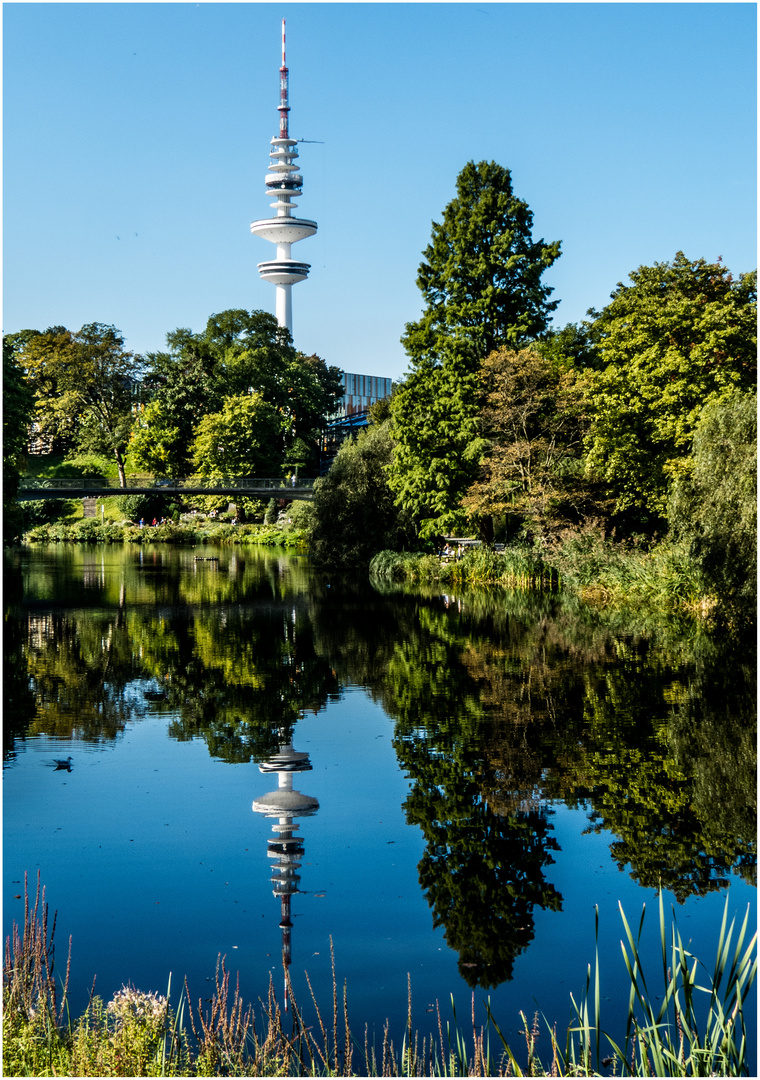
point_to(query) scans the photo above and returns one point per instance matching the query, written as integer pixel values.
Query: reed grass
(695, 1027)
(516, 568)
(602, 573)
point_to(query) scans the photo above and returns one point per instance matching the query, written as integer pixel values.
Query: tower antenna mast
(284, 229)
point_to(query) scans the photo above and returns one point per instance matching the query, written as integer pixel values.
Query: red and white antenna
(284, 107)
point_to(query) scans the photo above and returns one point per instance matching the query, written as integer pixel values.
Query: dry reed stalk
(335, 1006)
(325, 1056)
(29, 967)
(349, 1048)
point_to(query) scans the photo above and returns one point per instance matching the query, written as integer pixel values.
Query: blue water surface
(157, 864)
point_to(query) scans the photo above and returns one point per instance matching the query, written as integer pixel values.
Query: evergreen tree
(481, 280)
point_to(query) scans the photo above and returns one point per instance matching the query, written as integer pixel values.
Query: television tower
(284, 182)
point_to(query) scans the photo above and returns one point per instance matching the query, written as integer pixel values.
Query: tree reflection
(502, 703)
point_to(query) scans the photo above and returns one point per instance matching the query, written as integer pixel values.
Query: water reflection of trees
(642, 731)
(501, 704)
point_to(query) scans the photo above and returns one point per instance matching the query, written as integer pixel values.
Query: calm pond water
(445, 785)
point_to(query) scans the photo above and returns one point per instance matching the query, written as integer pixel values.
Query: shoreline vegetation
(602, 573)
(90, 531)
(668, 1029)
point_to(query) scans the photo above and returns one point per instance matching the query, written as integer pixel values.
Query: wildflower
(132, 1004)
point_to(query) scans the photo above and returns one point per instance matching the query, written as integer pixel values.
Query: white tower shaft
(284, 182)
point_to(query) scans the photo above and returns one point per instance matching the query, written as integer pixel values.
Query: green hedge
(90, 531)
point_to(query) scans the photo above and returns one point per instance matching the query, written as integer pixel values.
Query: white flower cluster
(131, 1004)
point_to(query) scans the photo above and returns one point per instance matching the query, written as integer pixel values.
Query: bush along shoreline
(662, 578)
(90, 531)
(690, 1024)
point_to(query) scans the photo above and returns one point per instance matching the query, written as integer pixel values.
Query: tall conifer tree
(481, 280)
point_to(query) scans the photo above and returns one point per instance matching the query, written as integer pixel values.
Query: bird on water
(63, 764)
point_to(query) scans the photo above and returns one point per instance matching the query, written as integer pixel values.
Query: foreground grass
(141, 1034)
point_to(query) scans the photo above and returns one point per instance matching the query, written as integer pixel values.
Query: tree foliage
(679, 336)
(436, 426)
(533, 421)
(238, 353)
(714, 504)
(481, 280)
(354, 512)
(18, 409)
(84, 387)
(242, 439)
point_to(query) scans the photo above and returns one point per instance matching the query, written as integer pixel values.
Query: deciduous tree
(354, 512)
(18, 409)
(84, 386)
(680, 335)
(533, 420)
(242, 439)
(713, 505)
(237, 353)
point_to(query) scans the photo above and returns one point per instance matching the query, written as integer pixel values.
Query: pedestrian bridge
(252, 488)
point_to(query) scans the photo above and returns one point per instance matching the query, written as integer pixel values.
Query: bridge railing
(195, 482)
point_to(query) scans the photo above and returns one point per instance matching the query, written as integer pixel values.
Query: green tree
(533, 420)
(436, 428)
(18, 409)
(84, 385)
(242, 439)
(354, 512)
(714, 504)
(158, 442)
(237, 353)
(481, 280)
(681, 335)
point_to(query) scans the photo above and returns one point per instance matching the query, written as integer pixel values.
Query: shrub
(135, 507)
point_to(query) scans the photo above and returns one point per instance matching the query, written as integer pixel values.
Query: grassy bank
(92, 531)
(142, 1034)
(663, 578)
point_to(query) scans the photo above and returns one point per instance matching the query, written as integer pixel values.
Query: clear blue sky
(136, 140)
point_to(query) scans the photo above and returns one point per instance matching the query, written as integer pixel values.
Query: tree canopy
(679, 336)
(714, 504)
(238, 353)
(84, 387)
(481, 280)
(242, 439)
(354, 513)
(533, 421)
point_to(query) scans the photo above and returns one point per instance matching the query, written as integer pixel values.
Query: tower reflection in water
(285, 847)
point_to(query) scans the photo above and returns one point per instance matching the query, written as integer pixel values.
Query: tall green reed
(694, 1027)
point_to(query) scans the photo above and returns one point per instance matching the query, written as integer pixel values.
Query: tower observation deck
(284, 182)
